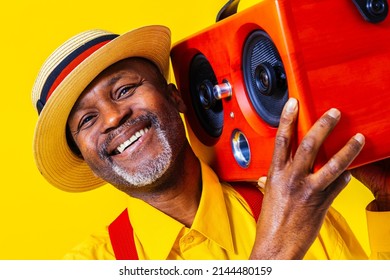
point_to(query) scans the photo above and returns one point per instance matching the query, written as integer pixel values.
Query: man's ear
(175, 96)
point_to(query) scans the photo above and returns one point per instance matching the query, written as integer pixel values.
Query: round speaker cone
(264, 76)
(209, 111)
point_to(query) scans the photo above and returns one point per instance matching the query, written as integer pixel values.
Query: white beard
(152, 170)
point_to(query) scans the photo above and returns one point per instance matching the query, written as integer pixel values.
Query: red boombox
(236, 76)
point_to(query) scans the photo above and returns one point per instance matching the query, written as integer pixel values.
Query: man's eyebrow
(114, 79)
(121, 75)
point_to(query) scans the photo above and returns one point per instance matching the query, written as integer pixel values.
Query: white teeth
(132, 139)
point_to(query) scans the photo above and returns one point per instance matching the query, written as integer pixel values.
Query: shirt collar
(158, 232)
(212, 219)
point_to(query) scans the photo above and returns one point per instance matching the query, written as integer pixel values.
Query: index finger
(283, 138)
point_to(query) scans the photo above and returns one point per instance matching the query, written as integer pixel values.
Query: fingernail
(291, 105)
(334, 113)
(262, 179)
(360, 138)
(261, 182)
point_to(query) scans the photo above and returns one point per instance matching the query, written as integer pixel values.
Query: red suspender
(252, 195)
(121, 231)
(122, 238)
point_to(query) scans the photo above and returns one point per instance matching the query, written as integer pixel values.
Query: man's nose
(113, 116)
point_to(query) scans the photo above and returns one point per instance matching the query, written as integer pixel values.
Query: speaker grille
(264, 77)
(209, 111)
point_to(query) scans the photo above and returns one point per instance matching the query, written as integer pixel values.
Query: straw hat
(64, 75)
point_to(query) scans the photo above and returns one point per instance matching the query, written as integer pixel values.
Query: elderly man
(108, 114)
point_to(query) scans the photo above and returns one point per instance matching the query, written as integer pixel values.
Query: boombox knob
(209, 93)
(222, 91)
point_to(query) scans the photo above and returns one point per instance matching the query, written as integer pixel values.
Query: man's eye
(85, 121)
(127, 90)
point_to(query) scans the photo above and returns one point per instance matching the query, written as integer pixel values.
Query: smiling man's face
(127, 125)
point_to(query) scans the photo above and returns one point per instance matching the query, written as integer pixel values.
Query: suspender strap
(122, 238)
(121, 231)
(252, 195)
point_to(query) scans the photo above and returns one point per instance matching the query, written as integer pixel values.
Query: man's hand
(296, 198)
(376, 177)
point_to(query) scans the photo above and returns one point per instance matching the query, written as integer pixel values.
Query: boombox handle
(230, 8)
(373, 11)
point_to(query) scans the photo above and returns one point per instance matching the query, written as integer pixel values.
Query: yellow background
(38, 221)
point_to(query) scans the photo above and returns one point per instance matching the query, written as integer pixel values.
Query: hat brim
(53, 157)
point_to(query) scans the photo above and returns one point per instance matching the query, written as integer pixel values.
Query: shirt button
(190, 239)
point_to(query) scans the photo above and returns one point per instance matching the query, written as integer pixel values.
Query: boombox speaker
(236, 76)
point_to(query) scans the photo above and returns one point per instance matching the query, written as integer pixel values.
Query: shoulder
(336, 240)
(95, 247)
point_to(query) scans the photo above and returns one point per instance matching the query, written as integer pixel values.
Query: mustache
(148, 117)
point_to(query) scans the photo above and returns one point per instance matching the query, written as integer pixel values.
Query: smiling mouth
(134, 138)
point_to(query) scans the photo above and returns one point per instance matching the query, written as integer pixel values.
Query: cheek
(174, 127)
(87, 146)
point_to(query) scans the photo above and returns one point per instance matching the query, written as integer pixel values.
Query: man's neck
(179, 194)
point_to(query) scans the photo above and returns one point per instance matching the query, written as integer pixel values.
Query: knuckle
(354, 147)
(296, 182)
(334, 167)
(326, 122)
(308, 145)
(286, 120)
(282, 140)
(303, 189)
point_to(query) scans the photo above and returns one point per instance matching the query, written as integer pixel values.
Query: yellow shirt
(224, 228)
